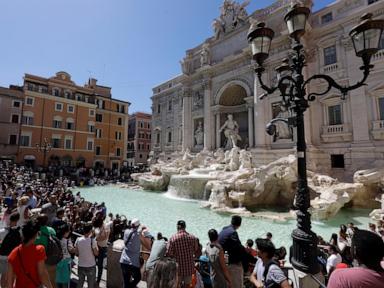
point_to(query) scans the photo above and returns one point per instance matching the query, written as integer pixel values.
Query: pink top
(356, 278)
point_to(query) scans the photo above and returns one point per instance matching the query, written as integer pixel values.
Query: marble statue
(232, 14)
(199, 135)
(197, 101)
(219, 155)
(283, 131)
(231, 132)
(218, 28)
(205, 55)
(381, 200)
(245, 160)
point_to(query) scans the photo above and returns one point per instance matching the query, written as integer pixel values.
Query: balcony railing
(378, 125)
(336, 133)
(331, 68)
(378, 130)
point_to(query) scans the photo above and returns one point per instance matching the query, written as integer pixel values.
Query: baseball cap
(135, 222)
(181, 224)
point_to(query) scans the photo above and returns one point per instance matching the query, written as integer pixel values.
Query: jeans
(131, 275)
(90, 273)
(100, 261)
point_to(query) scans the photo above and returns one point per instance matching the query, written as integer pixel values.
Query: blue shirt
(131, 252)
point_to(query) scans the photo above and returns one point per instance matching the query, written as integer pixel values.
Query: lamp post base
(304, 251)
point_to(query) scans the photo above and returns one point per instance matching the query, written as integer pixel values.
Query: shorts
(3, 264)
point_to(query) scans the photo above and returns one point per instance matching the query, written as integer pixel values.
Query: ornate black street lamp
(292, 87)
(44, 148)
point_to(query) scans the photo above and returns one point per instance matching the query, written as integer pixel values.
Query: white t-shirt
(86, 256)
(66, 244)
(332, 261)
(274, 272)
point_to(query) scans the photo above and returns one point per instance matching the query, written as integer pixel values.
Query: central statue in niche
(231, 132)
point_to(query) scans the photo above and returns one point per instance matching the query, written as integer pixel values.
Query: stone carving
(231, 182)
(205, 57)
(186, 64)
(199, 135)
(232, 15)
(198, 101)
(231, 132)
(283, 131)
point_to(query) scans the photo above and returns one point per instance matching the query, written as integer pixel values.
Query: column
(218, 134)
(250, 126)
(207, 115)
(187, 120)
(259, 116)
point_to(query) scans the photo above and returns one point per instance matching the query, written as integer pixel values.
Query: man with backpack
(10, 238)
(267, 272)
(86, 249)
(52, 246)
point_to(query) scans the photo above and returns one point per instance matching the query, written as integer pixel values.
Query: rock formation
(230, 183)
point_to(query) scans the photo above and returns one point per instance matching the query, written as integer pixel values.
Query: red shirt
(26, 272)
(184, 248)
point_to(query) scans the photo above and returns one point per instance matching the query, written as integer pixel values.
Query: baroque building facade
(190, 110)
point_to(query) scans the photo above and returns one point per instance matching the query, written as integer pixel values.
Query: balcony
(378, 130)
(378, 56)
(336, 133)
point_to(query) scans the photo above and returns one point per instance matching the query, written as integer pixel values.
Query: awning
(29, 157)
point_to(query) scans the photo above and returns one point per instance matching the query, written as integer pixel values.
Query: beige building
(218, 79)
(11, 105)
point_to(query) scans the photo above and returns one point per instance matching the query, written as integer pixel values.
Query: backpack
(270, 283)
(11, 240)
(53, 250)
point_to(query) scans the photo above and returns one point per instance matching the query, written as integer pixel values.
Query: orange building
(66, 117)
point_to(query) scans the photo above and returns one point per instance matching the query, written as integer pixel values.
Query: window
(169, 105)
(98, 150)
(158, 109)
(117, 108)
(12, 139)
(56, 92)
(334, 114)
(140, 156)
(25, 140)
(70, 108)
(381, 108)
(100, 104)
(16, 104)
(149, 126)
(91, 112)
(337, 161)
(70, 125)
(119, 121)
(98, 133)
(99, 117)
(118, 135)
(68, 94)
(326, 18)
(15, 118)
(68, 143)
(27, 120)
(58, 107)
(55, 143)
(169, 137)
(141, 124)
(330, 55)
(148, 147)
(372, 1)
(29, 101)
(90, 144)
(158, 138)
(91, 127)
(57, 124)
(118, 151)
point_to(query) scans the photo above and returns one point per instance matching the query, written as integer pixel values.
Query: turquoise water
(161, 213)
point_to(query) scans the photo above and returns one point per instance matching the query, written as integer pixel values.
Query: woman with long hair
(26, 264)
(165, 274)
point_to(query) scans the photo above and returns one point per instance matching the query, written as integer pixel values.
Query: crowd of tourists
(46, 225)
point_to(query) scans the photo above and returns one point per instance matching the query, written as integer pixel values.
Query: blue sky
(129, 45)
